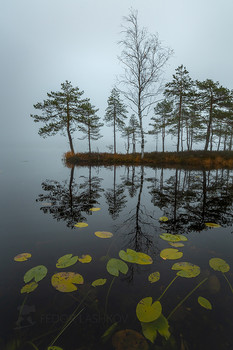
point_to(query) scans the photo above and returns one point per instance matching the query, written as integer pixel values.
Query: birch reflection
(69, 201)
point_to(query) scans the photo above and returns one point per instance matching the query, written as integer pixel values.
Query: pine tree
(115, 113)
(90, 124)
(60, 112)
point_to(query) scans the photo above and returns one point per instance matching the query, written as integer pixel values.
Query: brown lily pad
(129, 339)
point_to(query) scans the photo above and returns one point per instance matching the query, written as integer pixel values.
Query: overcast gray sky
(45, 42)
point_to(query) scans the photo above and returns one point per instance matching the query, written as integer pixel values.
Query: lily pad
(103, 234)
(129, 339)
(66, 281)
(94, 209)
(173, 238)
(85, 259)
(176, 244)
(204, 303)
(186, 269)
(163, 219)
(99, 282)
(161, 325)
(148, 312)
(135, 257)
(66, 260)
(154, 277)
(22, 257)
(81, 224)
(171, 254)
(114, 266)
(211, 224)
(37, 273)
(28, 288)
(218, 264)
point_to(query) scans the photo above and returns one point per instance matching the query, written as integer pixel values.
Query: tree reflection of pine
(69, 201)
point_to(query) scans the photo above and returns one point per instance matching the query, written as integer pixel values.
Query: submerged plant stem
(167, 287)
(187, 296)
(228, 282)
(106, 302)
(32, 344)
(21, 308)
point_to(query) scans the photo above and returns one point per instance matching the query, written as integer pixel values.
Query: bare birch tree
(143, 58)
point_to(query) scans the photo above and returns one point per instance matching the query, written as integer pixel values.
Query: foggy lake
(41, 201)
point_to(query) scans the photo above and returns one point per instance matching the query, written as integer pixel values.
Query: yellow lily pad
(173, 238)
(186, 269)
(170, 254)
(163, 219)
(94, 209)
(66, 281)
(66, 260)
(22, 257)
(81, 224)
(85, 259)
(154, 277)
(135, 257)
(204, 303)
(176, 244)
(148, 312)
(218, 264)
(99, 282)
(114, 266)
(28, 288)
(103, 234)
(211, 224)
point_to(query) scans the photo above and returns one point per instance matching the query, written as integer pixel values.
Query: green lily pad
(150, 329)
(99, 282)
(170, 254)
(135, 257)
(204, 303)
(148, 312)
(114, 266)
(211, 224)
(218, 264)
(28, 288)
(66, 260)
(37, 273)
(154, 277)
(176, 244)
(186, 269)
(173, 238)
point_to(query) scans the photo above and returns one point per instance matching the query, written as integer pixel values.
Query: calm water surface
(41, 201)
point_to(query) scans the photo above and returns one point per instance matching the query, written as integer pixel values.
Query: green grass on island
(194, 159)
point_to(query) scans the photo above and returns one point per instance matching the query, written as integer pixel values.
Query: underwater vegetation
(151, 314)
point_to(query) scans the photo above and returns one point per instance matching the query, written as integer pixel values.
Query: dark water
(40, 203)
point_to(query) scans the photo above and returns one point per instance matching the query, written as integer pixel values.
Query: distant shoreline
(193, 159)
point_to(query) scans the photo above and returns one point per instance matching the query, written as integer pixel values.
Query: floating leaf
(22, 257)
(99, 282)
(114, 266)
(108, 333)
(94, 209)
(219, 265)
(130, 340)
(172, 238)
(161, 325)
(186, 269)
(81, 224)
(54, 348)
(154, 277)
(148, 312)
(66, 260)
(28, 288)
(85, 259)
(103, 234)
(135, 257)
(176, 244)
(182, 238)
(211, 224)
(171, 254)
(37, 273)
(163, 219)
(204, 303)
(65, 281)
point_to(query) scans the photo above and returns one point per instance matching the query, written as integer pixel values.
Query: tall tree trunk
(68, 130)
(230, 143)
(114, 131)
(179, 121)
(209, 125)
(89, 138)
(134, 142)
(219, 138)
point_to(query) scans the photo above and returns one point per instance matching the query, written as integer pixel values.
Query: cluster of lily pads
(149, 312)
